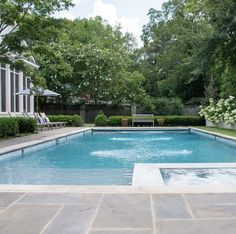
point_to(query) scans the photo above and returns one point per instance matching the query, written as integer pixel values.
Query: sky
(130, 14)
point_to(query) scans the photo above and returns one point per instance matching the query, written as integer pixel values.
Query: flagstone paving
(42, 135)
(117, 213)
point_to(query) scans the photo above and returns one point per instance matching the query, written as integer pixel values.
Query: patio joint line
(187, 219)
(95, 214)
(51, 220)
(13, 203)
(120, 229)
(153, 214)
(188, 207)
(48, 204)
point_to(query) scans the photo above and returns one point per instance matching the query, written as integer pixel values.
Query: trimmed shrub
(101, 120)
(180, 120)
(8, 127)
(71, 120)
(77, 121)
(114, 121)
(26, 125)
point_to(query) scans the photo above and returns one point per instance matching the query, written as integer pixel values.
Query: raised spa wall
(220, 125)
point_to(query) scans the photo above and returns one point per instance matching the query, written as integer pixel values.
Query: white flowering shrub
(223, 110)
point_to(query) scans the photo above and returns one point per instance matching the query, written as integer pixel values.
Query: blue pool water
(108, 157)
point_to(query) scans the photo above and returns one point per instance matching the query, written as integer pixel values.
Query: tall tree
(13, 15)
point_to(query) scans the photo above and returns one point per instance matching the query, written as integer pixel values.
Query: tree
(14, 14)
(171, 45)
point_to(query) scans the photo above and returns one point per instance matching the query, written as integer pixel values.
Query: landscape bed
(107, 156)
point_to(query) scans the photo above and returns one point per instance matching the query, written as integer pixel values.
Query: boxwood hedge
(71, 120)
(181, 120)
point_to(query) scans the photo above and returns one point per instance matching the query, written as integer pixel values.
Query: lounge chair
(47, 120)
(41, 124)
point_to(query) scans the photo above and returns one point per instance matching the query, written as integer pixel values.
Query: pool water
(108, 158)
(197, 176)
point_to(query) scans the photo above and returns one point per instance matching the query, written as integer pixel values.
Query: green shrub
(77, 121)
(101, 120)
(8, 127)
(71, 120)
(181, 120)
(114, 121)
(26, 125)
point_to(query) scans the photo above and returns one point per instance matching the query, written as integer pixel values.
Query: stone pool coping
(110, 188)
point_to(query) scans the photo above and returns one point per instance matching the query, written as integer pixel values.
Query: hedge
(71, 120)
(8, 127)
(26, 125)
(101, 120)
(181, 120)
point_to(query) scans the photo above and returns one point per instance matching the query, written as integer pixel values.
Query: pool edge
(112, 188)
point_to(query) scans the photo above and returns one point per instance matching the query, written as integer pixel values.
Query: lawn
(228, 132)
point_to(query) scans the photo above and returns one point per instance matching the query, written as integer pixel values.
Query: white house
(11, 82)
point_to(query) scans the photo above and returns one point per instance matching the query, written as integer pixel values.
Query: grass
(227, 132)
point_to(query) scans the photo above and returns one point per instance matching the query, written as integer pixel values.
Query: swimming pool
(108, 157)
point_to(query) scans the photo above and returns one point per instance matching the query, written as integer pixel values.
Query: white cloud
(109, 12)
(67, 15)
(106, 10)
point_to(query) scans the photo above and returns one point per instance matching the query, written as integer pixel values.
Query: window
(2, 87)
(26, 99)
(14, 88)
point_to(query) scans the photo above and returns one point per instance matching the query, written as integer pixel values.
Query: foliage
(87, 61)
(8, 127)
(189, 50)
(163, 120)
(71, 120)
(114, 121)
(77, 121)
(189, 54)
(160, 121)
(181, 120)
(26, 125)
(168, 106)
(223, 110)
(14, 15)
(101, 120)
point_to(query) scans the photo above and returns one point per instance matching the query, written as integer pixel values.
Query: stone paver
(169, 206)
(89, 213)
(25, 219)
(7, 198)
(211, 198)
(62, 198)
(196, 226)
(214, 211)
(72, 219)
(124, 211)
(40, 136)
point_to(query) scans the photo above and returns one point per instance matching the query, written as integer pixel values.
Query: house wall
(11, 82)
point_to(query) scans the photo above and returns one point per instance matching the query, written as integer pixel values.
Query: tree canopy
(188, 53)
